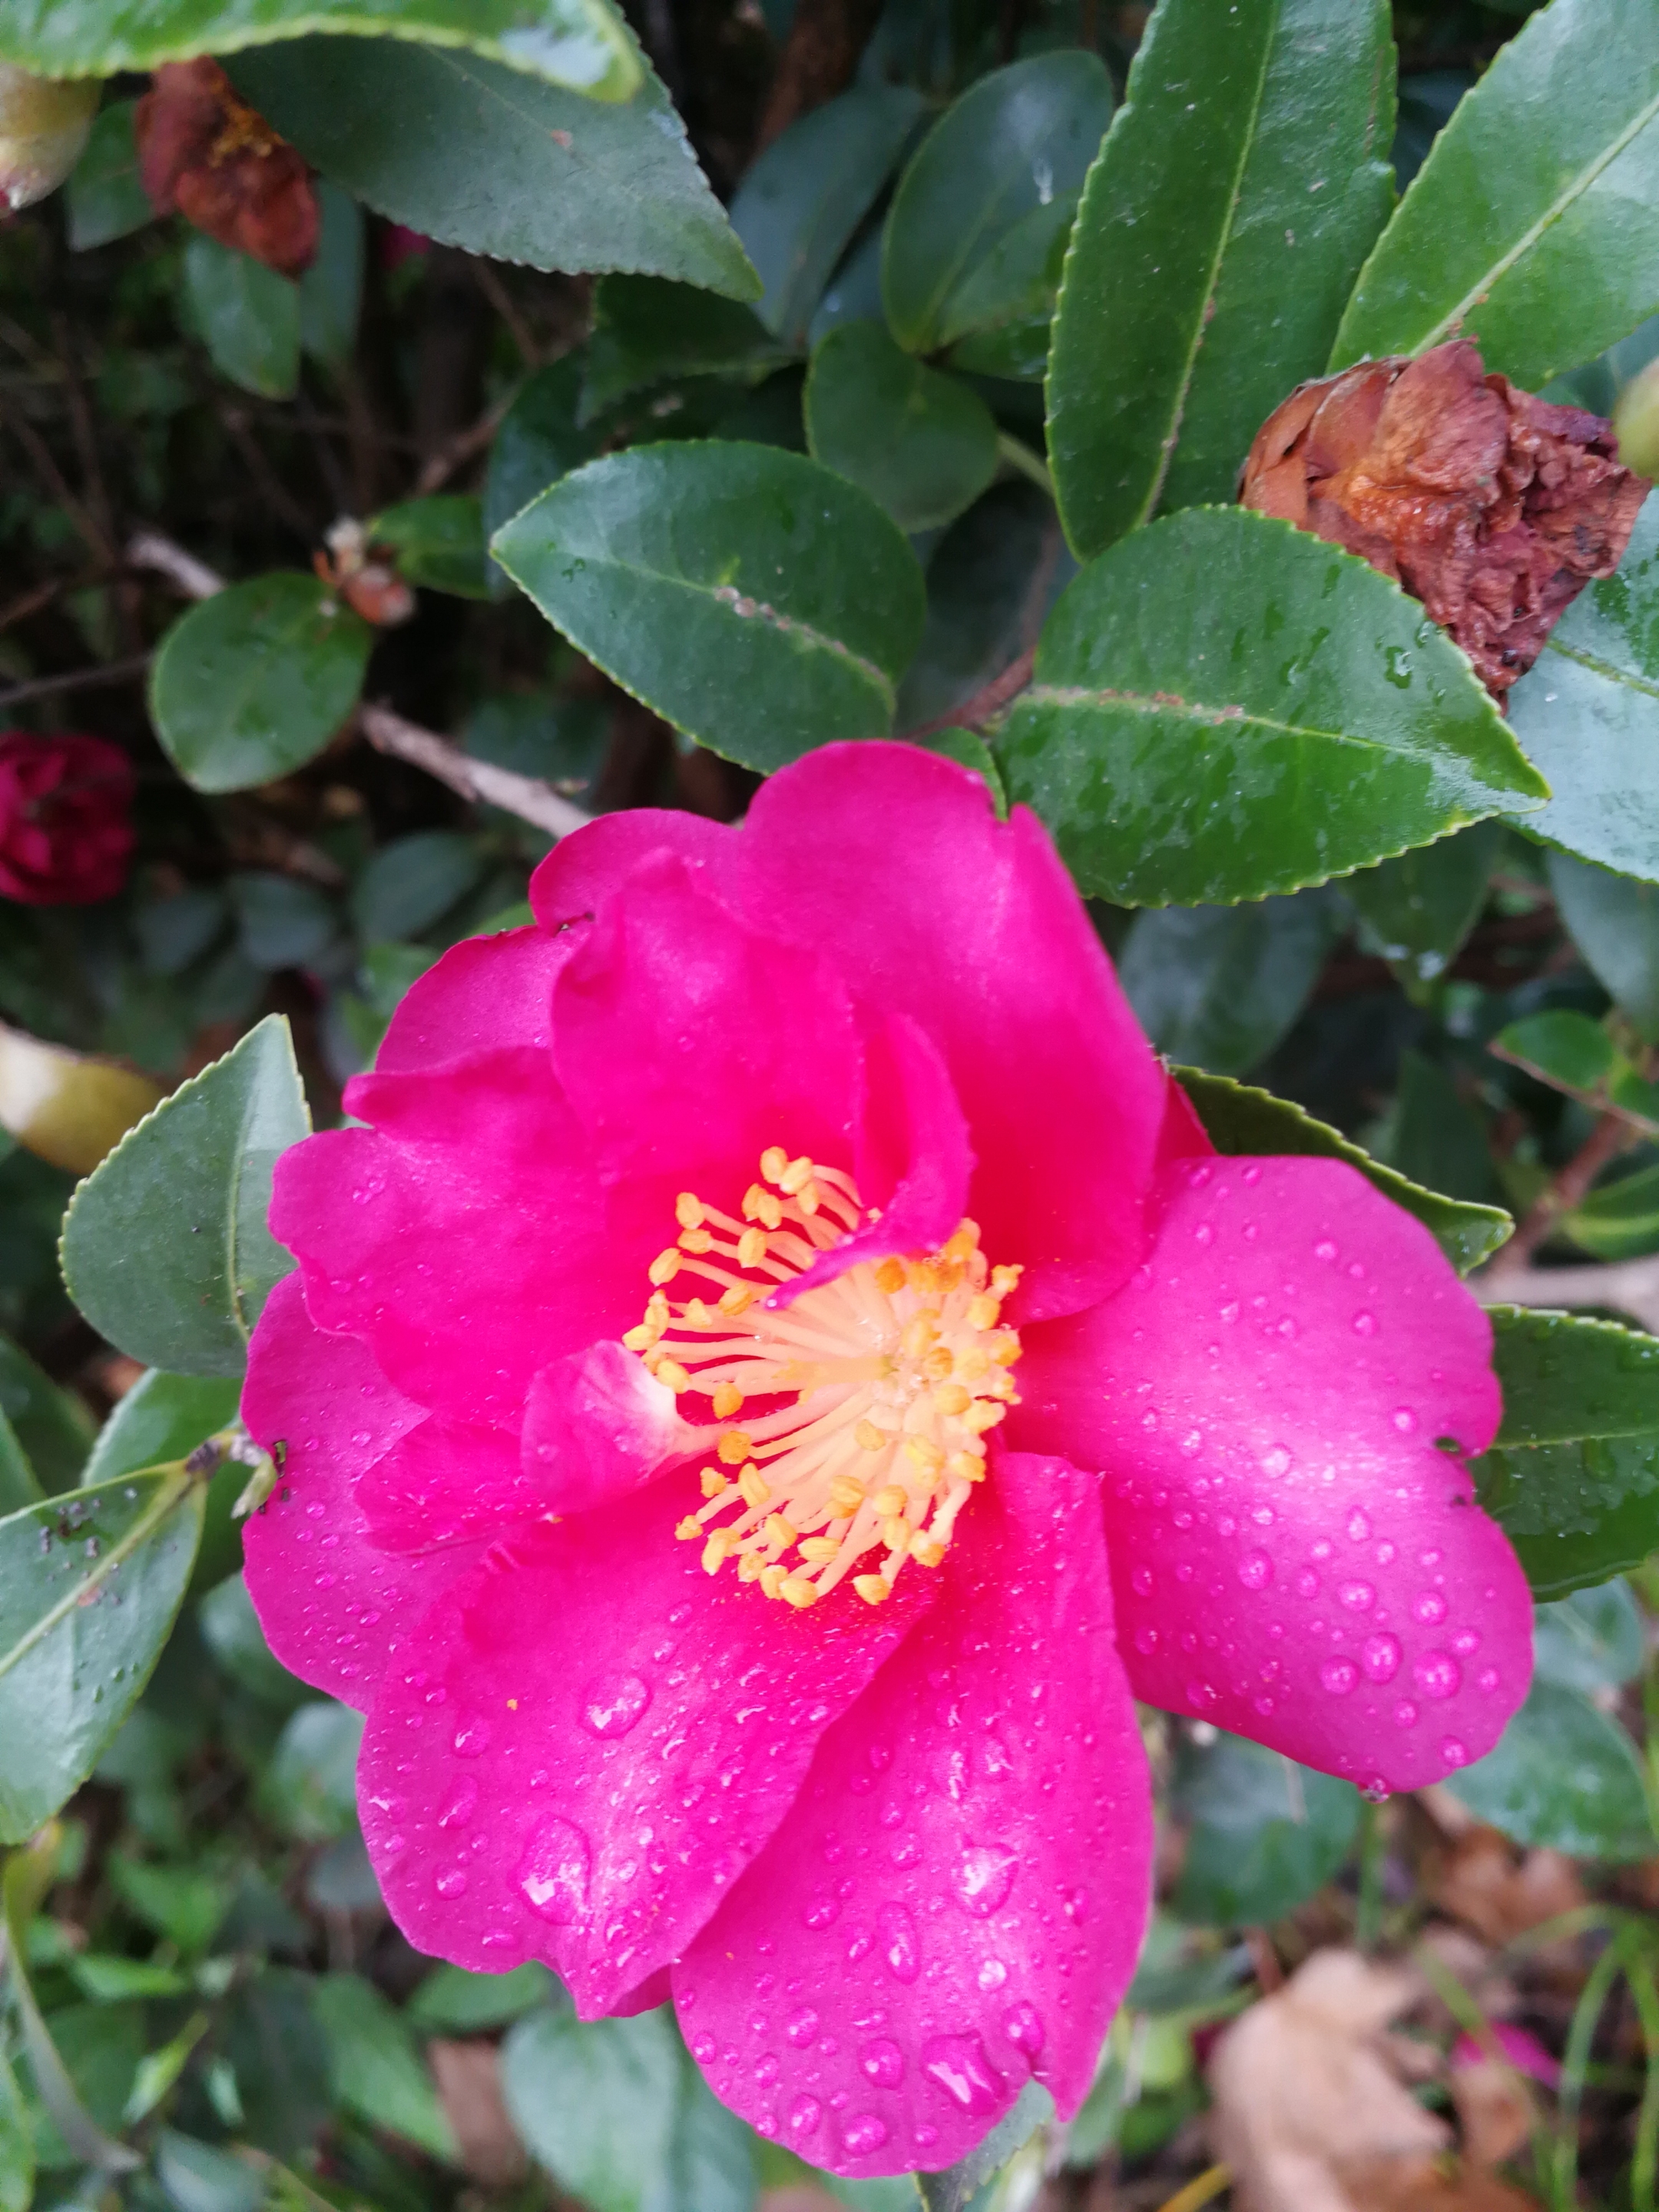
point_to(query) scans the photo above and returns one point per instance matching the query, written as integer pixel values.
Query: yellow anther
(689, 1529)
(984, 1414)
(808, 1198)
(714, 1482)
(873, 1589)
(923, 1452)
(763, 1206)
(1001, 1385)
(738, 1299)
(984, 1311)
(774, 1162)
(938, 1363)
(751, 1247)
(951, 1399)
(1004, 1281)
(974, 1364)
(750, 1567)
(818, 1550)
(892, 1499)
(845, 1494)
(728, 1400)
(688, 1211)
(964, 1243)
(756, 1491)
(714, 1552)
(926, 1551)
(665, 1266)
(895, 1532)
(695, 1240)
(772, 1579)
(1006, 1349)
(777, 1530)
(642, 1337)
(733, 1448)
(868, 1437)
(890, 1278)
(798, 1591)
(965, 1467)
(796, 1176)
(697, 1315)
(671, 1372)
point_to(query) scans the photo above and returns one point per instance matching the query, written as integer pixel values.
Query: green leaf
(331, 289)
(281, 922)
(646, 329)
(52, 1425)
(451, 2000)
(500, 163)
(162, 1417)
(105, 199)
(750, 597)
(245, 315)
(1618, 1220)
(75, 1646)
(19, 1485)
(580, 42)
(1265, 1833)
(197, 2177)
(184, 1904)
(250, 684)
(1573, 1053)
(165, 1249)
(1573, 1477)
(990, 580)
(1525, 230)
(281, 2069)
(16, 2146)
(539, 440)
(439, 542)
(800, 202)
(1614, 922)
(1587, 715)
(1590, 1641)
(1237, 194)
(376, 2071)
(969, 749)
(230, 1629)
(1219, 986)
(595, 2102)
(958, 2188)
(1564, 1777)
(922, 444)
(1240, 1119)
(1289, 716)
(990, 192)
(710, 2167)
(413, 881)
(309, 1789)
(115, 1980)
(1416, 910)
(1439, 1141)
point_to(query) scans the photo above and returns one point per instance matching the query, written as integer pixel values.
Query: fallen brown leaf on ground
(1480, 1879)
(1494, 2110)
(468, 2075)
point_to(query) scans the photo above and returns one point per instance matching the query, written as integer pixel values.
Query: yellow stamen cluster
(866, 1403)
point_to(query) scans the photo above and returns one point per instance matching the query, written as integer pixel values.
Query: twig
(986, 702)
(151, 550)
(1628, 1286)
(1204, 2189)
(271, 486)
(819, 57)
(79, 679)
(1018, 455)
(1612, 1135)
(455, 452)
(56, 487)
(31, 601)
(502, 301)
(530, 800)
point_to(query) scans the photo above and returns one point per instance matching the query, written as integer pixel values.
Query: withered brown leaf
(204, 151)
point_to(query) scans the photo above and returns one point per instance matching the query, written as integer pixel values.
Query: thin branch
(987, 703)
(1627, 1286)
(525, 796)
(502, 301)
(56, 487)
(151, 550)
(456, 452)
(80, 679)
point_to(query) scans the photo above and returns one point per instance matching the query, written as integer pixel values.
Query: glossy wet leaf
(52, 1425)
(503, 163)
(331, 289)
(988, 194)
(1564, 1777)
(164, 1248)
(991, 579)
(245, 315)
(1525, 227)
(1217, 987)
(646, 329)
(1619, 1219)
(799, 205)
(105, 199)
(753, 599)
(921, 443)
(1241, 1119)
(250, 684)
(1287, 715)
(438, 542)
(1237, 194)
(1587, 716)
(1590, 1641)
(580, 42)
(377, 2071)
(89, 1586)
(1573, 1478)
(1614, 922)
(67, 1106)
(595, 2102)
(1264, 1833)
(1416, 911)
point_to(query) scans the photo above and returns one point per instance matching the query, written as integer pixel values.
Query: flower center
(868, 1399)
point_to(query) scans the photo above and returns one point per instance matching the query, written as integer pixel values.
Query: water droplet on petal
(896, 1931)
(1140, 1581)
(450, 1883)
(1405, 1714)
(1380, 1656)
(1437, 1674)
(802, 2027)
(1358, 1527)
(882, 2063)
(959, 2065)
(1453, 1751)
(1023, 2026)
(1364, 1324)
(553, 1872)
(863, 2134)
(614, 1704)
(1429, 1609)
(1255, 1570)
(1338, 1676)
(1145, 1641)
(804, 2114)
(1358, 1597)
(984, 1876)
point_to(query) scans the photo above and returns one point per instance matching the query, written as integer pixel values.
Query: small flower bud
(43, 126)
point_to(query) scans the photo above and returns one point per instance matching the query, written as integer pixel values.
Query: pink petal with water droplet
(637, 1729)
(1000, 1741)
(446, 1481)
(1305, 1428)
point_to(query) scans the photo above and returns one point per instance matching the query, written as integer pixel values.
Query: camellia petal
(957, 1902)
(332, 1604)
(485, 993)
(1282, 1402)
(446, 1481)
(583, 1746)
(582, 871)
(597, 1426)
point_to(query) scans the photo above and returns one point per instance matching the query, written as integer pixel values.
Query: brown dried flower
(1492, 508)
(203, 151)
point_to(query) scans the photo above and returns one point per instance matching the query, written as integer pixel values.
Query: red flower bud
(205, 152)
(1492, 508)
(65, 834)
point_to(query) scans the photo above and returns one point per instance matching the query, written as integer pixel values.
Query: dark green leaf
(1439, 1141)
(105, 199)
(1237, 194)
(230, 1629)
(1573, 1053)
(19, 1485)
(958, 2188)
(439, 542)
(1287, 715)
(1416, 910)
(922, 443)
(1566, 1377)
(482, 156)
(988, 196)
(710, 2167)
(1618, 1220)
(412, 881)
(1265, 1833)
(165, 1249)
(162, 1417)
(800, 203)
(969, 749)
(376, 2069)
(281, 922)
(1615, 923)
(245, 315)
(564, 741)
(1590, 1641)
(581, 43)
(1240, 1119)
(331, 289)
(197, 2177)
(16, 2146)
(1564, 1777)
(1587, 716)
(75, 1646)
(647, 330)
(280, 2071)
(176, 930)
(53, 1427)
(750, 597)
(82, 2058)
(309, 1790)
(595, 2102)
(991, 579)
(539, 441)
(1525, 230)
(450, 2001)
(249, 685)
(1219, 986)
(184, 1904)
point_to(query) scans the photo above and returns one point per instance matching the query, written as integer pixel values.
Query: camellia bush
(830, 1052)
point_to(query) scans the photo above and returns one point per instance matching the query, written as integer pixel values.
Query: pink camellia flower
(780, 1371)
(66, 833)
